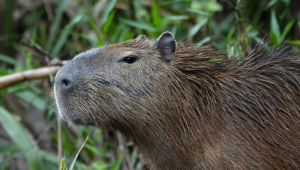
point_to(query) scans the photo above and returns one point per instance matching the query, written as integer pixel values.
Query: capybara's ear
(140, 37)
(166, 45)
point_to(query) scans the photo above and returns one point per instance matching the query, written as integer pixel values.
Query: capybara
(188, 107)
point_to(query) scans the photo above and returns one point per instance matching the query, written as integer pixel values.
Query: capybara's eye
(129, 59)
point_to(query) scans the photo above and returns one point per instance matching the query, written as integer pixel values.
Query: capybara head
(110, 85)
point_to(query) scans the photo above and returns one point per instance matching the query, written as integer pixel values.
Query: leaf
(74, 160)
(287, 28)
(274, 30)
(3, 71)
(140, 25)
(286, 2)
(95, 28)
(271, 3)
(197, 11)
(203, 41)
(117, 164)
(28, 59)
(273, 39)
(197, 27)
(174, 30)
(109, 21)
(61, 41)
(63, 164)
(229, 35)
(172, 2)
(155, 15)
(213, 6)
(9, 59)
(100, 165)
(109, 7)
(225, 26)
(65, 33)
(176, 17)
(85, 36)
(75, 20)
(208, 6)
(55, 26)
(32, 98)
(49, 157)
(295, 42)
(21, 138)
(95, 150)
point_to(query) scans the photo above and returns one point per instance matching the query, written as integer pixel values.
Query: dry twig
(38, 73)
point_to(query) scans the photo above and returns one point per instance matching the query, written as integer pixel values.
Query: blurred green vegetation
(64, 28)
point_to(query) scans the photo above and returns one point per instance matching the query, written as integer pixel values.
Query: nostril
(66, 83)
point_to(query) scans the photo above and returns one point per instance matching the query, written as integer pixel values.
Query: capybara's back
(188, 107)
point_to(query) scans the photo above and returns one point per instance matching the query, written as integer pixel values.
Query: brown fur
(195, 112)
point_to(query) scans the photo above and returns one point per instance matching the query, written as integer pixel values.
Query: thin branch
(133, 160)
(37, 51)
(38, 73)
(122, 148)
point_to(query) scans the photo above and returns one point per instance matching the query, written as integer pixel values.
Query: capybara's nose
(65, 83)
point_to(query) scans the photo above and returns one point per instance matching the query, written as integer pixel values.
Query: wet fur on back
(255, 104)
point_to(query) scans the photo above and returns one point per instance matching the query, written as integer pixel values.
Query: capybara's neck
(175, 132)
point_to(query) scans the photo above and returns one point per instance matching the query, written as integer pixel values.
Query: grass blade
(203, 41)
(21, 138)
(155, 15)
(295, 42)
(63, 164)
(176, 17)
(197, 27)
(275, 31)
(109, 21)
(9, 60)
(140, 25)
(117, 164)
(271, 3)
(55, 26)
(74, 160)
(287, 28)
(32, 98)
(75, 20)
(65, 33)
(106, 12)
